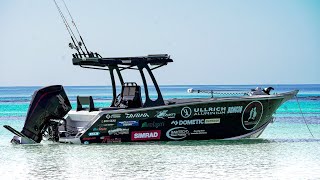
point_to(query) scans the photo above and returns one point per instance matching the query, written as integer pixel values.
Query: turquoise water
(286, 149)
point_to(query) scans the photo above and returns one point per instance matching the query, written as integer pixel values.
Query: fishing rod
(73, 37)
(73, 22)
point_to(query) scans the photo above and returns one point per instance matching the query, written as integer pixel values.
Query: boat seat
(131, 95)
(85, 101)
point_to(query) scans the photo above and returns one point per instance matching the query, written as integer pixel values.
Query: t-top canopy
(154, 59)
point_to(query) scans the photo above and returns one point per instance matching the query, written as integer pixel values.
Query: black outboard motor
(47, 103)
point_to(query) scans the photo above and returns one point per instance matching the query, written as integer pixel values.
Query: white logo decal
(175, 122)
(186, 112)
(199, 132)
(113, 116)
(164, 114)
(177, 133)
(212, 121)
(252, 115)
(118, 131)
(235, 109)
(94, 134)
(108, 121)
(106, 125)
(188, 122)
(137, 115)
(209, 111)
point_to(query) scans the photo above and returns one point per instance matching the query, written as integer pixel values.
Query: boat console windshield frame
(117, 64)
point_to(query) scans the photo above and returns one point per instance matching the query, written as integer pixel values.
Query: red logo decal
(88, 138)
(145, 135)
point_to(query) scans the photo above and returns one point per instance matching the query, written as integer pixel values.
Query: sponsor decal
(234, 109)
(118, 131)
(145, 135)
(207, 111)
(99, 129)
(108, 139)
(164, 114)
(62, 102)
(177, 133)
(108, 121)
(186, 112)
(152, 124)
(86, 142)
(107, 125)
(188, 122)
(88, 138)
(212, 121)
(127, 123)
(94, 133)
(113, 116)
(137, 115)
(198, 132)
(251, 115)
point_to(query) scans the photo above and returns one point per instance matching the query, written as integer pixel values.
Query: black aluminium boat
(129, 119)
(132, 119)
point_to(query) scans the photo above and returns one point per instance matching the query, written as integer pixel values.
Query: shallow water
(286, 149)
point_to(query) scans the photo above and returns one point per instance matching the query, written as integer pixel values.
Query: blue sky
(211, 42)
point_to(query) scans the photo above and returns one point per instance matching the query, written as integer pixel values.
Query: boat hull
(191, 119)
(213, 119)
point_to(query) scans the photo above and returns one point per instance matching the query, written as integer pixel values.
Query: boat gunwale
(204, 101)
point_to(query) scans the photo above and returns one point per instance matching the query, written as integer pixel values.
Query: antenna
(73, 22)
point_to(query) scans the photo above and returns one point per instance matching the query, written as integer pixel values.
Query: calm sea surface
(286, 149)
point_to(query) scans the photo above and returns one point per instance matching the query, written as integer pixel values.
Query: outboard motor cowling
(47, 103)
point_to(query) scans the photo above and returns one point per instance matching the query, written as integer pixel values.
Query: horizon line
(163, 85)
